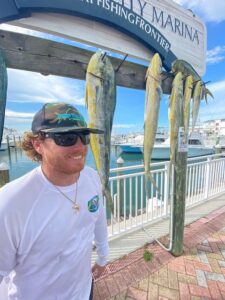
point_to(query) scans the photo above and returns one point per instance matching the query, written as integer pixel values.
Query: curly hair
(28, 147)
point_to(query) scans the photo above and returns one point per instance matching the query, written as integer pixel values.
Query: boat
(196, 147)
(8, 138)
(3, 146)
(136, 144)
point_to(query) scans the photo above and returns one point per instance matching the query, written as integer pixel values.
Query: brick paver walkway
(198, 274)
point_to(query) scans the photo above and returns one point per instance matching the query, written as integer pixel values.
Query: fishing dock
(205, 180)
(197, 274)
(127, 275)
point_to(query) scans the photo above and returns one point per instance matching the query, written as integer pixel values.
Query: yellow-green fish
(152, 105)
(196, 102)
(183, 66)
(101, 102)
(187, 100)
(175, 113)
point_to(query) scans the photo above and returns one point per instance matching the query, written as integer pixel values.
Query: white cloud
(216, 55)
(13, 114)
(212, 11)
(29, 87)
(18, 120)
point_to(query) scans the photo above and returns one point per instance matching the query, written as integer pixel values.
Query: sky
(27, 91)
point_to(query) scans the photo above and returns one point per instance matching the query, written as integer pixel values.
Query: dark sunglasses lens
(85, 138)
(67, 140)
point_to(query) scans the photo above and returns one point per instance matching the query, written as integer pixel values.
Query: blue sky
(27, 91)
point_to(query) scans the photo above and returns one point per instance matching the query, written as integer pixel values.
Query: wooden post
(116, 150)
(218, 149)
(179, 193)
(14, 141)
(8, 143)
(4, 174)
(179, 203)
(20, 143)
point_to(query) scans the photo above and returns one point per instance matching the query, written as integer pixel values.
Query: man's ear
(37, 144)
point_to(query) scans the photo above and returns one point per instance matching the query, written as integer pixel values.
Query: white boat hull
(163, 153)
(130, 148)
(3, 146)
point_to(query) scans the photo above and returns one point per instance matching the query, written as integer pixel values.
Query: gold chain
(75, 206)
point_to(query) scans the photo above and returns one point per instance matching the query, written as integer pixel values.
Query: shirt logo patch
(93, 204)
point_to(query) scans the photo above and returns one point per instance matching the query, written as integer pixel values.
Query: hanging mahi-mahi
(3, 92)
(101, 103)
(152, 104)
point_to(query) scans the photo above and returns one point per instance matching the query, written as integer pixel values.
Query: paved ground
(198, 274)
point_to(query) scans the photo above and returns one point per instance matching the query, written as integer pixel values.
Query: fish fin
(207, 92)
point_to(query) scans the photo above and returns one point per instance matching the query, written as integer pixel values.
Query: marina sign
(138, 28)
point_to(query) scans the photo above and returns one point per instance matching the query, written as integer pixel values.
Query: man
(50, 217)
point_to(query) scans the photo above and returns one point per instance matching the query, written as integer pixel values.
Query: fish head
(98, 65)
(177, 65)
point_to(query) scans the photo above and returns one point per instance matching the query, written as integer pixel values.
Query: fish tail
(108, 197)
(207, 92)
(148, 176)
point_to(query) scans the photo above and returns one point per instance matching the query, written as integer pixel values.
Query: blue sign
(110, 12)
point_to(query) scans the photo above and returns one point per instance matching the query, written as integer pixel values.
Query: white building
(214, 127)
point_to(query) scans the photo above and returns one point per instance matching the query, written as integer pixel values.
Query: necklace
(75, 206)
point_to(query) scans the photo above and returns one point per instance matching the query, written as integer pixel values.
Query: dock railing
(133, 209)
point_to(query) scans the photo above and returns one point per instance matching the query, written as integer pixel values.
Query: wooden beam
(47, 57)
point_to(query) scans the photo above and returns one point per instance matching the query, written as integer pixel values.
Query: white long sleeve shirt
(45, 243)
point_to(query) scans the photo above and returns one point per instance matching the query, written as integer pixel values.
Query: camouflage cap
(60, 117)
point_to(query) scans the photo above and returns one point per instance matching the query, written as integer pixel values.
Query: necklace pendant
(76, 207)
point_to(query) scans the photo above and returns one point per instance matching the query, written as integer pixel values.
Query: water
(20, 164)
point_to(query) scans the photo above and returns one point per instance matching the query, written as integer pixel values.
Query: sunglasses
(68, 139)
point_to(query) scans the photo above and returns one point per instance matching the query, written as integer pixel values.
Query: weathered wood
(187, 34)
(179, 184)
(4, 174)
(47, 57)
(179, 203)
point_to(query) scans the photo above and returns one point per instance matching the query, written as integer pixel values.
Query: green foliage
(147, 255)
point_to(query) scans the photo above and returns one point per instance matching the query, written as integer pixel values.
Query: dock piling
(4, 173)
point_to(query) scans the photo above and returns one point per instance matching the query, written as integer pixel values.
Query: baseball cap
(60, 117)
